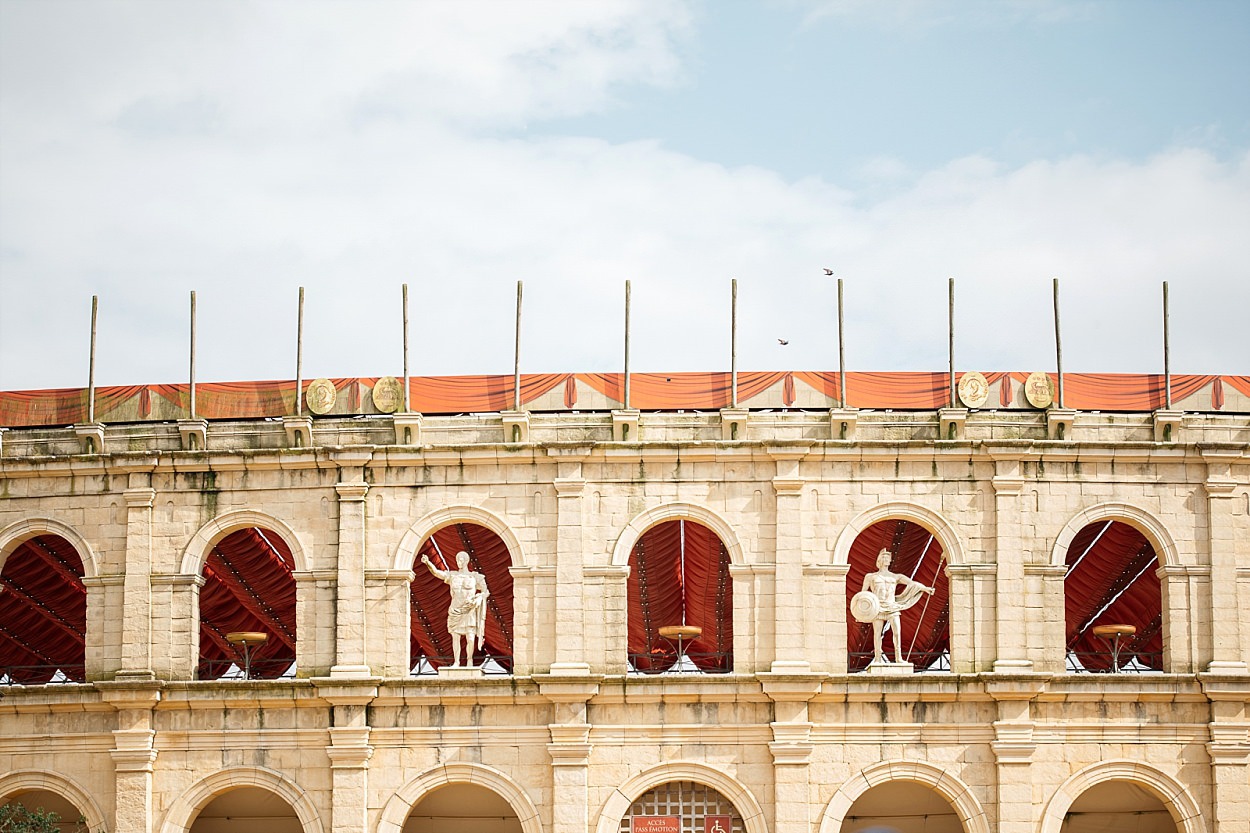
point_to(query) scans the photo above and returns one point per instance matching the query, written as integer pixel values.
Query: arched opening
(1118, 807)
(245, 809)
(1113, 600)
(248, 589)
(682, 807)
(901, 807)
(917, 554)
(462, 808)
(43, 613)
(679, 576)
(53, 811)
(431, 597)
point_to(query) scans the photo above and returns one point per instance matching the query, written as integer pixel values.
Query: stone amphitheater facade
(1005, 738)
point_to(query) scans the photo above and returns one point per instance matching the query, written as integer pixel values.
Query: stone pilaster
(570, 750)
(1046, 625)
(1013, 748)
(103, 647)
(791, 749)
(175, 625)
(137, 586)
(790, 656)
(387, 609)
(825, 613)
(350, 659)
(1011, 654)
(972, 628)
(314, 630)
(1224, 535)
(1229, 749)
(133, 754)
(753, 618)
(570, 605)
(349, 752)
(1186, 616)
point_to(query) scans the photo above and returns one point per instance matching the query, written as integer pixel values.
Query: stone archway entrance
(67, 815)
(462, 808)
(901, 807)
(245, 809)
(682, 807)
(1118, 807)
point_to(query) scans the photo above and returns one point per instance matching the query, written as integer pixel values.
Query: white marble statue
(466, 615)
(879, 602)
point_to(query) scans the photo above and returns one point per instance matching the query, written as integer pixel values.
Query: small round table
(247, 639)
(1113, 634)
(681, 633)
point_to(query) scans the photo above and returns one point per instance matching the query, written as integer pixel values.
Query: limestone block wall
(1007, 738)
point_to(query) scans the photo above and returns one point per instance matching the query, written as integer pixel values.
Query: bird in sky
(783, 341)
(828, 271)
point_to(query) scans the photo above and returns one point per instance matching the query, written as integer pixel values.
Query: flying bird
(783, 342)
(828, 271)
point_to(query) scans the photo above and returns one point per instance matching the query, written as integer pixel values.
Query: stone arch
(196, 552)
(952, 546)
(956, 792)
(186, 807)
(431, 522)
(1145, 523)
(618, 802)
(32, 779)
(15, 534)
(400, 804)
(1168, 790)
(674, 512)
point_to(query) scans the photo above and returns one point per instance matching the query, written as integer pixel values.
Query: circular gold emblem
(320, 396)
(973, 389)
(1038, 390)
(388, 395)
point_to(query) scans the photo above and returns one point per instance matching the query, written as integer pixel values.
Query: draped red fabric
(488, 555)
(248, 586)
(926, 627)
(477, 394)
(660, 594)
(1111, 565)
(1127, 391)
(43, 612)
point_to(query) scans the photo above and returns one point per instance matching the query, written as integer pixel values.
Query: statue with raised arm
(880, 602)
(466, 615)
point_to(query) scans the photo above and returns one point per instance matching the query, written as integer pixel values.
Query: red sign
(656, 824)
(717, 824)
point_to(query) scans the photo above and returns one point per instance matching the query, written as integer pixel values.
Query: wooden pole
(626, 402)
(841, 351)
(951, 336)
(299, 357)
(407, 403)
(1058, 347)
(192, 354)
(1167, 353)
(95, 306)
(516, 354)
(733, 343)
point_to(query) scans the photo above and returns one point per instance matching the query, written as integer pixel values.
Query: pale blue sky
(244, 149)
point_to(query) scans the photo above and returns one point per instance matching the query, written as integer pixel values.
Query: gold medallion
(1038, 390)
(320, 396)
(388, 395)
(973, 389)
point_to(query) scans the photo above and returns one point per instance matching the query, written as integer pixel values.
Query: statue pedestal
(460, 672)
(889, 669)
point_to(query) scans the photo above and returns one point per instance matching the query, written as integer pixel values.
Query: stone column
(1013, 748)
(133, 753)
(349, 753)
(753, 619)
(1186, 616)
(570, 751)
(387, 597)
(824, 613)
(606, 593)
(790, 656)
(1011, 653)
(791, 749)
(972, 602)
(314, 629)
(570, 608)
(176, 625)
(350, 659)
(104, 625)
(1046, 626)
(1230, 637)
(137, 587)
(1229, 749)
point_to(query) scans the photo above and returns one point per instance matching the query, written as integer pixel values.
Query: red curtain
(248, 586)
(1111, 565)
(926, 627)
(488, 555)
(43, 612)
(661, 593)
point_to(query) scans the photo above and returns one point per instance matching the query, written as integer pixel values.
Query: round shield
(865, 607)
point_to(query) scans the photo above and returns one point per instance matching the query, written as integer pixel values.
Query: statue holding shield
(880, 602)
